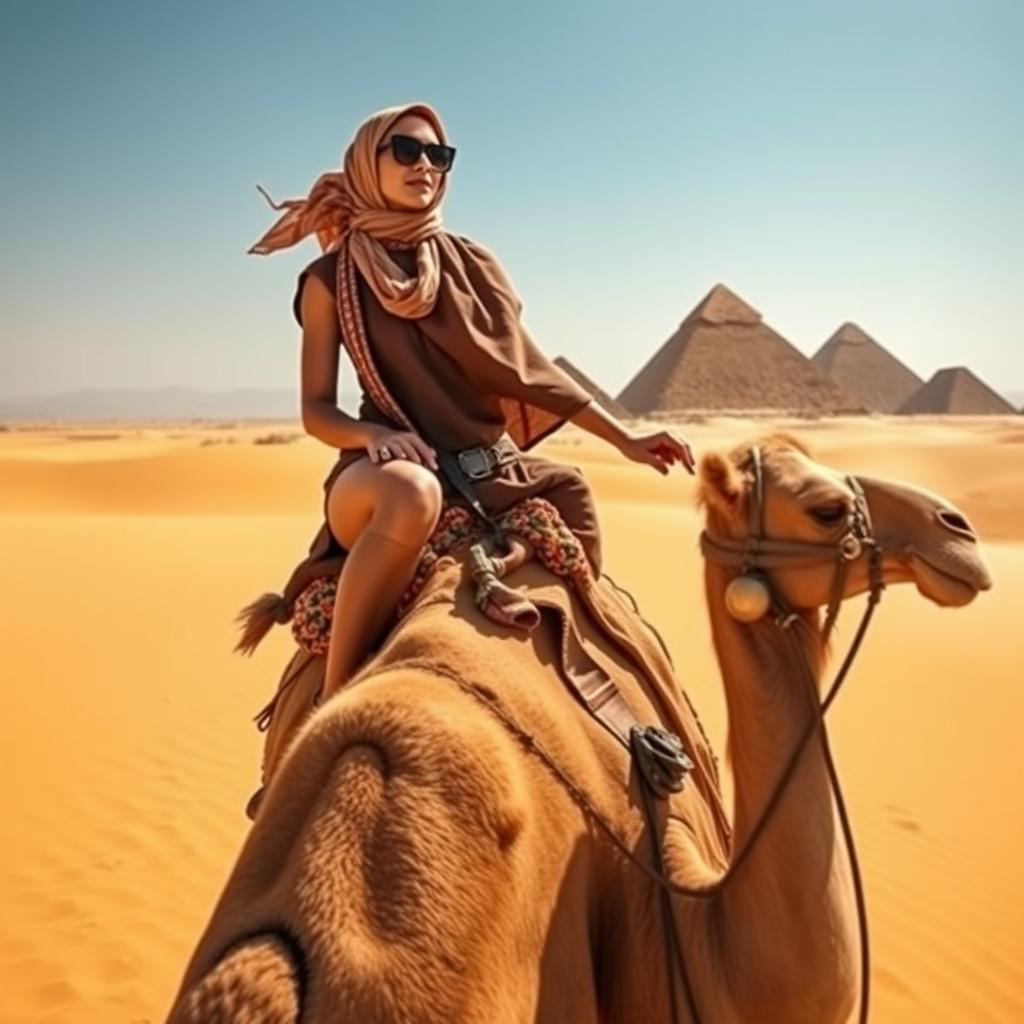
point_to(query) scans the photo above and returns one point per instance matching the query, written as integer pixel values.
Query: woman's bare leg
(383, 513)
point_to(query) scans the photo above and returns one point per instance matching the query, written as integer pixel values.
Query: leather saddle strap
(594, 688)
(603, 699)
(449, 464)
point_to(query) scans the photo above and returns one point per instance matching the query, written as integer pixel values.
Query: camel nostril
(956, 522)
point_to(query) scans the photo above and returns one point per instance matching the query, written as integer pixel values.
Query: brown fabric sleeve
(504, 355)
(323, 267)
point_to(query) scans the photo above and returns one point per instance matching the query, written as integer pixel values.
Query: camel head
(924, 538)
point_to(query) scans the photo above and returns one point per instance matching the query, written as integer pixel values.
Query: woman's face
(408, 187)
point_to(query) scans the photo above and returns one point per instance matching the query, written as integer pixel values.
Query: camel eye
(827, 515)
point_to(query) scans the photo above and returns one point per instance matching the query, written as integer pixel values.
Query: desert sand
(129, 748)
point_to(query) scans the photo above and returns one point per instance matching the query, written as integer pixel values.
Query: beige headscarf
(348, 207)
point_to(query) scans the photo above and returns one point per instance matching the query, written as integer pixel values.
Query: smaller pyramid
(957, 391)
(617, 409)
(867, 370)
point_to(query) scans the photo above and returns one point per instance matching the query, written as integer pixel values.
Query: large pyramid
(870, 373)
(956, 390)
(724, 357)
(617, 409)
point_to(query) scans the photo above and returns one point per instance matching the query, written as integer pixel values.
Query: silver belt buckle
(475, 463)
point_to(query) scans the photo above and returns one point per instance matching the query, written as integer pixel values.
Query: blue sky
(826, 161)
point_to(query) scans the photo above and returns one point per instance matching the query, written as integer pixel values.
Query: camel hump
(405, 803)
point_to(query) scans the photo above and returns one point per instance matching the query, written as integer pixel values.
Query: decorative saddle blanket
(534, 519)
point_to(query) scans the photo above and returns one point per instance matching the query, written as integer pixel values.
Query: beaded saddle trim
(534, 519)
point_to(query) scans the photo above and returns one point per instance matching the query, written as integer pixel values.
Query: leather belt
(483, 461)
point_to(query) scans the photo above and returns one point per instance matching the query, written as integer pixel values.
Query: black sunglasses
(407, 151)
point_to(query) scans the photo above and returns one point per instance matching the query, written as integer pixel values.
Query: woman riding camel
(432, 325)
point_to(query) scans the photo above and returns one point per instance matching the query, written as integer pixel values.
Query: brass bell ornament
(747, 598)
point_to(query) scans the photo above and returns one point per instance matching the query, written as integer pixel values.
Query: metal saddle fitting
(660, 758)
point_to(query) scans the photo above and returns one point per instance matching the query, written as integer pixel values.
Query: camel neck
(769, 708)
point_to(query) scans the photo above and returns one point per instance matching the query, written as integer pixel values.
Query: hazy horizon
(825, 164)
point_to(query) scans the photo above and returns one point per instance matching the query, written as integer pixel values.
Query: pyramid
(723, 356)
(955, 390)
(615, 408)
(869, 372)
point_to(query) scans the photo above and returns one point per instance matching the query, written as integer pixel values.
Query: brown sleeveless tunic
(459, 398)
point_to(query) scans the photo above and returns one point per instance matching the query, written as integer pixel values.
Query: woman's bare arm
(321, 345)
(598, 421)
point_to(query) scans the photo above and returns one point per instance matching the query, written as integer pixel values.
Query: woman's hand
(387, 444)
(659, 450)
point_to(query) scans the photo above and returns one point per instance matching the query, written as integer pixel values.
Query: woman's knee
(410, 499)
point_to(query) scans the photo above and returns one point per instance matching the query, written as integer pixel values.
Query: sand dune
(129, 750)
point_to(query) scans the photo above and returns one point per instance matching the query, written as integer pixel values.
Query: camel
(452, 837)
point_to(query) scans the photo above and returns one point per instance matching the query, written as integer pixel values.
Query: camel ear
(721, 484)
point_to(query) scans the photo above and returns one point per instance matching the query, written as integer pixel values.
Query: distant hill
(171, 403)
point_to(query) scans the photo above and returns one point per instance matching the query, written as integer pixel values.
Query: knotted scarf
(347, 208)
